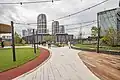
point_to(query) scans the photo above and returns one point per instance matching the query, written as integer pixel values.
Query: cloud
(28, 13)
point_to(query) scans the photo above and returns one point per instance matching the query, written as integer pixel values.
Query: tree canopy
(111, 37)
(94, 31)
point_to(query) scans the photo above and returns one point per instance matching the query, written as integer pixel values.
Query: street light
(13, 42)
(98, 39)
(37, 37)
(34, 41)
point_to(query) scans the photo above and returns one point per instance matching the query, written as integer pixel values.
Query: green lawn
(23, 55)
(83, 46)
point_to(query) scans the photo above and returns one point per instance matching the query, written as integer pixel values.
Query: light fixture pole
(37, 38)
(98, 38)
(13, 41)
(34, 41)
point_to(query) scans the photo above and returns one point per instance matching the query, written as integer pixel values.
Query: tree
(17, 38)
(48, 38)
(23, 41)
(111, 37)
(94, 31)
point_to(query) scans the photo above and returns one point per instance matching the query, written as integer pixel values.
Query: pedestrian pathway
(27, 67)
(29, 46)
(64, 64)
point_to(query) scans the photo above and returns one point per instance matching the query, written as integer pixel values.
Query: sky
(27, 13)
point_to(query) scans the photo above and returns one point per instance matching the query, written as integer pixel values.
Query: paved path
(28, 67)
(19, 46)
(64, 64)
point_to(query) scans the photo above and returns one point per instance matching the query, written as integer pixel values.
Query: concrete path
(64, 64)
(19, 46)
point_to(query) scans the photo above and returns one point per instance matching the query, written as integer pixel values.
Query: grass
(83, 46)
(23, 55)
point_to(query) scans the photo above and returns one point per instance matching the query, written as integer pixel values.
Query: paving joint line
(23, 75)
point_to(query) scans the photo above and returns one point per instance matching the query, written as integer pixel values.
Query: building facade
(24, 33)
(42, 23)
(61, 29)
(61, 38)
(58, 32)
(39, 38)
(118, 19)
(70, 37)
(7, 38)
(55, 27)
(29, 32)
(109, 18)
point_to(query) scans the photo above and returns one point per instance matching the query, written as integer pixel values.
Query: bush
(59, 45)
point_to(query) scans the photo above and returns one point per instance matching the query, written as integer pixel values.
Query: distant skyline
(28, 13)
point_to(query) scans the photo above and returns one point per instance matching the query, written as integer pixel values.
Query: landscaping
(104, 66)
(23, 55)
(59, 45)
(93, 47)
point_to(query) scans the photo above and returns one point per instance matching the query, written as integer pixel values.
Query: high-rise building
(109, 18)
(55, 27)
(61, 29)
(42, 23)
(30, 32)
(24, 33)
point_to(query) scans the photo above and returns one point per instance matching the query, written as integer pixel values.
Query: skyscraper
(55, 27)
(30, 32)
(61, 29)
(109, 18)
(42, 23)
(118, 19)
(24, 33)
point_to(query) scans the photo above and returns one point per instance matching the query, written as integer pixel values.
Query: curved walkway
(13, 73)
(64, 64)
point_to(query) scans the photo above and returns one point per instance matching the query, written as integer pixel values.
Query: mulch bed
(105, 66)
(13, 73)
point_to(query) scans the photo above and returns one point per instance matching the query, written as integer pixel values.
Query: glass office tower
(109, 18)
(42, 23)
(55, 27)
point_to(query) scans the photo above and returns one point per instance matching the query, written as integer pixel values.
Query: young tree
(94, 31)
(48, 38)
(17, 38)
(111, 37)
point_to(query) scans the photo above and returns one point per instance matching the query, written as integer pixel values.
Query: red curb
(13, 73)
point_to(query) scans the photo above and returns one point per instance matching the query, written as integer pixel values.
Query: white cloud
(28, 13)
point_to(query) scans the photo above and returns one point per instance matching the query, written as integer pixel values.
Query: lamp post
(98, 38)
(13, 41)
(37, 38)
(119, 3)
(34, 41)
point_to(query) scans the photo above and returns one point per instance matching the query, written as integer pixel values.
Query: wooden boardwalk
(64, 64)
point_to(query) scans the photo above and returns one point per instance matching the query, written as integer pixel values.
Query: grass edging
(15, 64)
(13, 73)
(20, 64)
(50, 54)
(94, 50)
